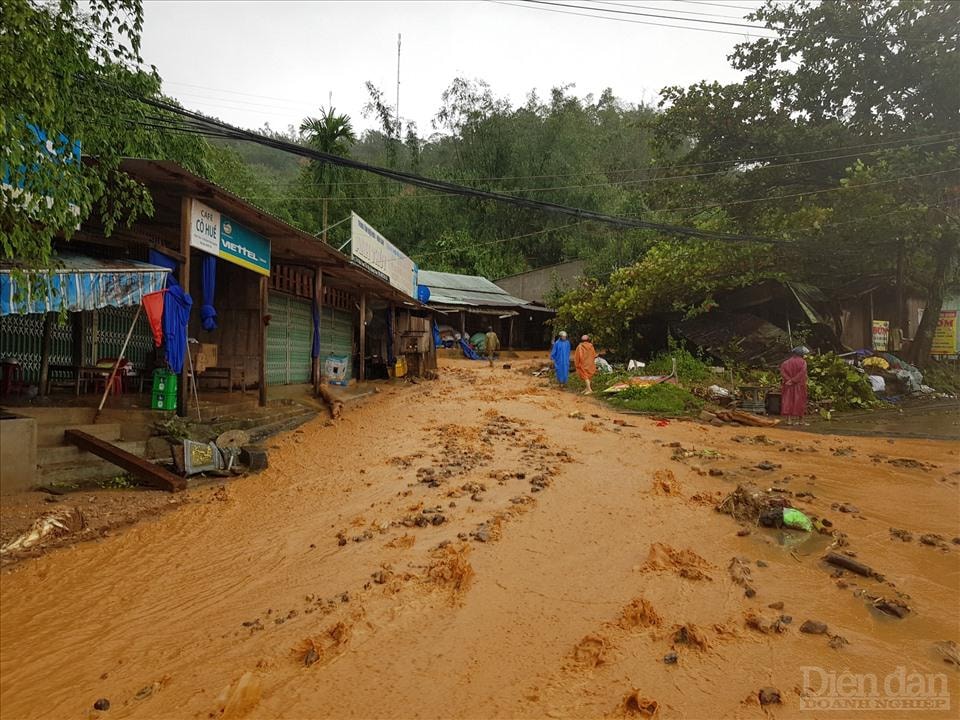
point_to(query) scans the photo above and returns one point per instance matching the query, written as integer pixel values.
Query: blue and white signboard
(373, 251)
(213, 232)
(18, 184)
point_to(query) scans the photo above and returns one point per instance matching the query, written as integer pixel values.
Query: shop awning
(78, 282)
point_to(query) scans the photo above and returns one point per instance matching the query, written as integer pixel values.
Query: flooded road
(485, 546)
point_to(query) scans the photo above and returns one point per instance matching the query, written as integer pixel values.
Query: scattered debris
(949, 650)
(636, 704)
(57, 524)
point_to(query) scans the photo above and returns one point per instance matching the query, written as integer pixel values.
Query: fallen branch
(850, 564)
(335, 406)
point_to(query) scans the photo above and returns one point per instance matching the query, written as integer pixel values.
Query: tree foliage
(71, 71)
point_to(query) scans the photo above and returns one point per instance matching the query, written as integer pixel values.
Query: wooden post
(510, 335)
(183, 392)
(116, 366)
(869, 343)
(899, 317)
(45, 353)
(318, 299)
(262, 341)
(362, 374)
(463, 323)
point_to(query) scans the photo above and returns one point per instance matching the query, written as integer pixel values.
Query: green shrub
(690, 368)
(664, 399)
(831, 379)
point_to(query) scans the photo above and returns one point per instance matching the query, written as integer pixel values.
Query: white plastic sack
(636, 365)
(718, 392)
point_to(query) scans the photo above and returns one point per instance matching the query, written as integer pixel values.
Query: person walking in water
(560, 355)
(793, 391)
(492, 344)
(585, 360)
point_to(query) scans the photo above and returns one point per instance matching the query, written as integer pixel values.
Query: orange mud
(463, 549)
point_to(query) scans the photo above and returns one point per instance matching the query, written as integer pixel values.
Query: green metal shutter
(289, 339)
(336, 335)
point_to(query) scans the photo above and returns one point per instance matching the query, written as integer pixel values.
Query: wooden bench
(224, 373)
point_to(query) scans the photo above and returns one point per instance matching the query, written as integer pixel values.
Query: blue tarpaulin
(391, 358)
(315, 348)
(468, 351)
(208, 276)
(176, 315)
(437, 340)
(77, 282)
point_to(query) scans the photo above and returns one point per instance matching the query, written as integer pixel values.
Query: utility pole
(398, 87)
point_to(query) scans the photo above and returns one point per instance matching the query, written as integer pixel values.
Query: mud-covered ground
(486, 546)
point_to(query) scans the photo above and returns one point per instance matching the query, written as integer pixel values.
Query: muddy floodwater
(484, 545)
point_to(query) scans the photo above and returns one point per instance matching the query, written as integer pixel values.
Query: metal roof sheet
(466, 290)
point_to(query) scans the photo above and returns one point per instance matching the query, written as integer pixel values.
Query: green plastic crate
(164, 382)
(162, 401)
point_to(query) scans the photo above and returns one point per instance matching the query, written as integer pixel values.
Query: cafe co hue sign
(215, 233)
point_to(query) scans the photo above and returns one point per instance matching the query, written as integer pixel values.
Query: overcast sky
(254, 62)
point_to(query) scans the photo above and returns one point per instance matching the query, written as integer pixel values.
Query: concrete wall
(537, 284)
(18, 453)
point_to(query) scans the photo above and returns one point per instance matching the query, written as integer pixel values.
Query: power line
(811, 192)
(633, 22)
(651, 15)
(672, 9)
(777, 30)
(420, 181)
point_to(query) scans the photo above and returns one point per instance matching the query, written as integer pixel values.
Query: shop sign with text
(213, 232)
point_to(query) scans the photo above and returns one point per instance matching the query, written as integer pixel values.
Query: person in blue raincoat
(560, 355)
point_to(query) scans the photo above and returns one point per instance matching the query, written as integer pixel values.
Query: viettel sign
(213, 232)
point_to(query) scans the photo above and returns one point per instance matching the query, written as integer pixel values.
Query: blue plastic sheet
(315, 347)
(208, 278)
(77, 282)
(437, 340)
(391, 358)
(468, 351)
(176, 315)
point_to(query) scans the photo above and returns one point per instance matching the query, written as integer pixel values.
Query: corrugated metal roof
(465, 290)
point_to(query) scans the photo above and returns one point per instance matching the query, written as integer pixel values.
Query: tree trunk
(923, 342)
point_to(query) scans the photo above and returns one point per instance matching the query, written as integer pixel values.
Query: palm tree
(332, 134)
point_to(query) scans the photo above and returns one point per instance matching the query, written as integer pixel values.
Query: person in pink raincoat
(793, 392)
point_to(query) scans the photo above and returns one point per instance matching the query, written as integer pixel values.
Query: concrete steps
(52, 435)
(69, 453)
(60, 463)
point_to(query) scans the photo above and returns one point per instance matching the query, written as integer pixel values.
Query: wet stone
(716, 472)
(762, 564)
(101, 704)
(769, 696)
(848, 508)
(670, 658)
(813, 627)
(311, 657)
(776, 606)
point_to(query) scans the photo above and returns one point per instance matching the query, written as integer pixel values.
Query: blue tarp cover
(77, 282)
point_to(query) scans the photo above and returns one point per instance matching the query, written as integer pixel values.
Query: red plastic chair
(116, 387)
